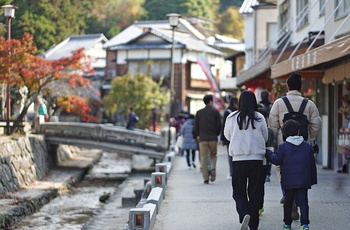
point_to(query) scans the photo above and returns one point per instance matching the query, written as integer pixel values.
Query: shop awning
(254, 71)
(320, 55)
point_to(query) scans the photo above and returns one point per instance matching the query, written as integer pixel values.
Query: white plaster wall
(248, 39)
(333, 24)
(316, 23)
(263, 17)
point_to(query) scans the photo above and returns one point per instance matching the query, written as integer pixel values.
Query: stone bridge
(106, 137)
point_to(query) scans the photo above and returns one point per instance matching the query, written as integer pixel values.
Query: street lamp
(173, 21)
(9, 13)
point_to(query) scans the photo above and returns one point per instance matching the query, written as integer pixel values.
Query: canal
(100, 193)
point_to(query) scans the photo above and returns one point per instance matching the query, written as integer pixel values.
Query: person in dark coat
(190, 144)
(233, 106)
(132, 119)
(207, 126)
(298, 172)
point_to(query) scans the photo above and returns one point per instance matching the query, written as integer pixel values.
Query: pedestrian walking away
(190, 144)
(298, 172)
(233, 106)
(270, 144)
(266, 105)
(246, 129)
(207, 127)
(133, 119)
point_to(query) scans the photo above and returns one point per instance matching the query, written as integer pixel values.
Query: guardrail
(107, 137)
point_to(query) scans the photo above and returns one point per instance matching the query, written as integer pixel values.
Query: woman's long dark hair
(247, 108)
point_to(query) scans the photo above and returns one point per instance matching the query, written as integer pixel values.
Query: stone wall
(25, 159)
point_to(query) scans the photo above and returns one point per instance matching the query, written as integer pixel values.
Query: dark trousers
(301, 201)
(188, 156)
(264, 171)
(268, 173)
(247, 178)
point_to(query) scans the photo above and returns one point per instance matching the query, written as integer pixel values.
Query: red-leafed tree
(76, 105)
(19, 66)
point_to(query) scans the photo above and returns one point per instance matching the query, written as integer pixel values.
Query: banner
(219, 102)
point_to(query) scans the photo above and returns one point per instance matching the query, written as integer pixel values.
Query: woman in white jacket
(247, 132)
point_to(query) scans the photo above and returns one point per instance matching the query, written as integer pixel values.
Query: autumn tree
(19, 66)
(139, 91)
(231, 23)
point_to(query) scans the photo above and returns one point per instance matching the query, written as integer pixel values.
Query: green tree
(231, 23)
(139, 91)
(49, 21)
(225, 4)
(199, 8)
(157, 9)
(112, 17)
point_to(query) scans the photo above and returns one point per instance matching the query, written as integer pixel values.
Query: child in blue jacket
(298, 172)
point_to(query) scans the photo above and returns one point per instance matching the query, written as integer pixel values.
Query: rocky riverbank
(29, 177)
(44, 181)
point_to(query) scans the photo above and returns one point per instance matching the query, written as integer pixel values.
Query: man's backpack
(299, 116)
(136, 118)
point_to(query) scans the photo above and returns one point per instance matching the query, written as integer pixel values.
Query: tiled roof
(139, 27)
(182, 40)
(72, 43)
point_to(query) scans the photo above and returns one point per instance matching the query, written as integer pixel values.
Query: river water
(80, 203)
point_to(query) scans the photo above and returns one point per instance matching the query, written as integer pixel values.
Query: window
(156, 68)
(302, 13)
(284, 16)
(271, 34)
(343, 10)
(322, 2)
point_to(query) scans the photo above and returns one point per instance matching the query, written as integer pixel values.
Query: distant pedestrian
(133, 119)
(189, 144)
(177, 123)
(233, 106)
(246, 129)
(270, 144)
(43, 109)
(207, 125)
(298, 172)
(266, 105)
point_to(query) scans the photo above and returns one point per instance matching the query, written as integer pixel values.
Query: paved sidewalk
(191, 205)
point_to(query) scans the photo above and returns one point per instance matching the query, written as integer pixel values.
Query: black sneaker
(206, 182)
(282, 200)
(194, 165)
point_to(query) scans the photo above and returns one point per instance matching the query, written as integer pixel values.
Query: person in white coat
(246, 129)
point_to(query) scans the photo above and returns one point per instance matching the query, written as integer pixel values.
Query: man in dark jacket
(208, 127)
